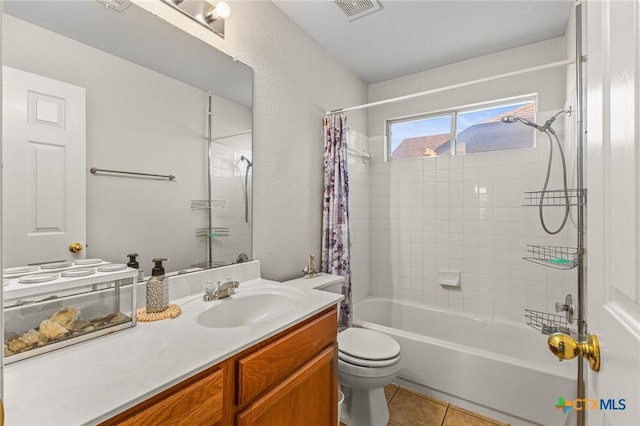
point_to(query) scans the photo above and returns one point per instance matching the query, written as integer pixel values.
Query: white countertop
(94, 380)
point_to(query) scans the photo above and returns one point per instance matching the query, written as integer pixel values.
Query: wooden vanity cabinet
(288, 379)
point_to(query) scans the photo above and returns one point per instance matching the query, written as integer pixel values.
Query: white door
(613, 223)
(43, 176)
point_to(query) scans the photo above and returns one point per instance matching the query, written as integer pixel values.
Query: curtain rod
(455, 86)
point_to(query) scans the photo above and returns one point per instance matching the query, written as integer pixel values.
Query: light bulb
(220, 10)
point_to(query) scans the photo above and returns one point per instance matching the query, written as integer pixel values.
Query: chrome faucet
(221, 291)
(226, 289)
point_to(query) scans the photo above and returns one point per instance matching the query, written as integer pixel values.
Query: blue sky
(442, 124)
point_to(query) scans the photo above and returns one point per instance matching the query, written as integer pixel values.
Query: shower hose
(548, 130)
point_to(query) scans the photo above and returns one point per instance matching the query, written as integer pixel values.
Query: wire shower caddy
(556, 198)
(549, 324)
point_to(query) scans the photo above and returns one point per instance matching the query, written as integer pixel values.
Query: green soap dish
(560, 261)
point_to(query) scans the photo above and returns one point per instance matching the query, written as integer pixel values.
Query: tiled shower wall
(228, 209)
(465, 213)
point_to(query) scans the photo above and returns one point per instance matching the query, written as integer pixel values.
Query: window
(462, 131)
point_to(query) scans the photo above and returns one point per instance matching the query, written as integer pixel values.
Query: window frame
(453, 114)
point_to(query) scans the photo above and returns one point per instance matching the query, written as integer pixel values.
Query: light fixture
(208, 13)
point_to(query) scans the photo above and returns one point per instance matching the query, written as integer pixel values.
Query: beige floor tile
(409, 408)
(457, 416)
(390, 391)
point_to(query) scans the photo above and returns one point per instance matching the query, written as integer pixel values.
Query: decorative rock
(52, 330)
(17, 345)
(7, 352)
(34, 338)
(66, 316)
(79, 324)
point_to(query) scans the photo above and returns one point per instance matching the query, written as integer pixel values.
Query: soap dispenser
(133, 263)
(157, 288)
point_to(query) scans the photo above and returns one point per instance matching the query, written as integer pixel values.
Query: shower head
(543, 128)
(513, 119)
(249, 163)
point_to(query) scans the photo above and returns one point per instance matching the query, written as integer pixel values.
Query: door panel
(45, 183)
(613, 228)
(44, 173)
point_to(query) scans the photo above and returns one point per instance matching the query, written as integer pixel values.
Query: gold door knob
(566, 347)
(75, 247)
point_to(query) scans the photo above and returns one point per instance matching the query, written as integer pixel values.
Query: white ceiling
(410, 36)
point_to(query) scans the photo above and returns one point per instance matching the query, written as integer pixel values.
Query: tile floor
(410, 408)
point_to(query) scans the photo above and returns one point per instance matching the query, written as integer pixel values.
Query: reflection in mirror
(126, 92)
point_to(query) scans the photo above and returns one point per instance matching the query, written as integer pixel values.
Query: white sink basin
(249, 306)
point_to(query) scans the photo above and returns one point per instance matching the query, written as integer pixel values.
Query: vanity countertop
(94, 380)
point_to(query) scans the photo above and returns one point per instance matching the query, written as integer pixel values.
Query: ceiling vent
(117, 5)
(355, 9)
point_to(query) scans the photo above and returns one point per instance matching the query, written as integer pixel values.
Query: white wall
(295, 83)
(464, 213)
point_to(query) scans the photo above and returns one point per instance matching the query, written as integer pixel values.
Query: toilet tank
(323, 281)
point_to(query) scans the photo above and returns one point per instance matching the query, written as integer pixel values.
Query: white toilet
(368, 361)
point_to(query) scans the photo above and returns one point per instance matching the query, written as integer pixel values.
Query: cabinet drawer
(272, 364)
(197, 403)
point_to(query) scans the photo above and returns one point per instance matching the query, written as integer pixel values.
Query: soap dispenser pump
(157, 288)
(133, 263)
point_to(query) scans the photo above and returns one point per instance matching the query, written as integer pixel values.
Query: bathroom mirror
(126, 92)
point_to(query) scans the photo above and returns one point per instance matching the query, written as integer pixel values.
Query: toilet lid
(367, 344)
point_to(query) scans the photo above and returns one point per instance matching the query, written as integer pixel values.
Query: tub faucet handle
(568, 306)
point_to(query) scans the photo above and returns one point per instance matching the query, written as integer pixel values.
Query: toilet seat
(367, 347)
(345, 367)
(367, 362)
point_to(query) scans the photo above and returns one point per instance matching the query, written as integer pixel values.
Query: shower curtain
(336, 242)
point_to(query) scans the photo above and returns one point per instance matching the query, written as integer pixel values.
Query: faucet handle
(234, 284)
(209, 287)
(210, 290)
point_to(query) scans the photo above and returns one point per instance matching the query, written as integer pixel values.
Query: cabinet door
(195, 402)
(308, 397)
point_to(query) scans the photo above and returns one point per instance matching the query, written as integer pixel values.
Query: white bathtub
(502, 366)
